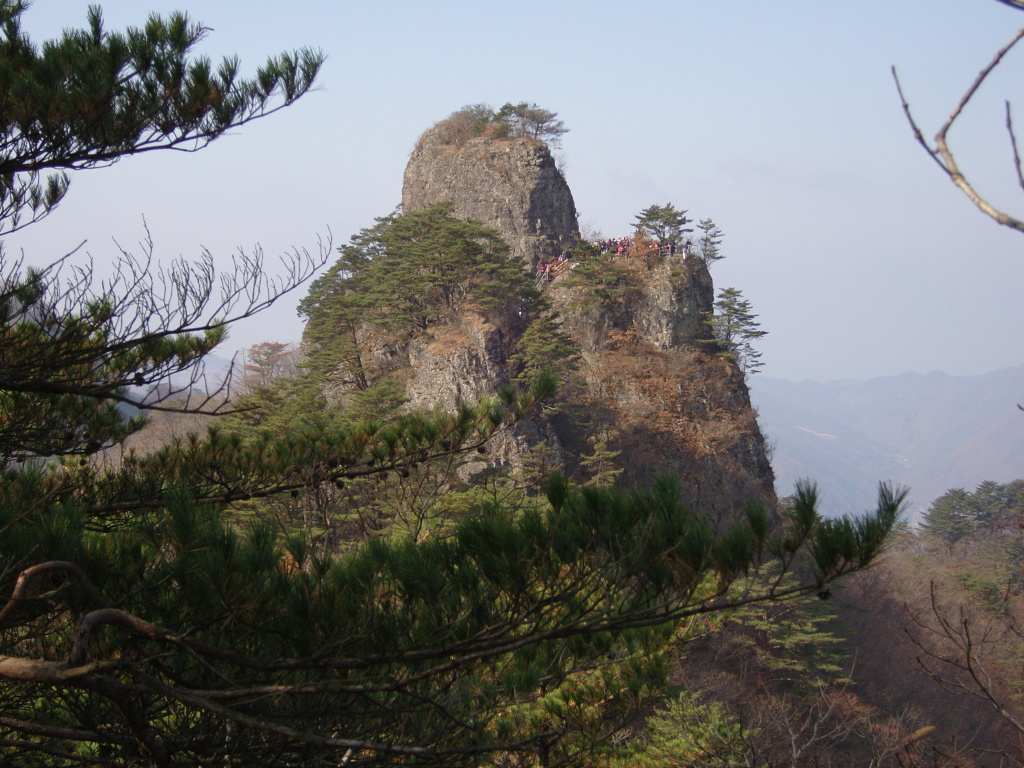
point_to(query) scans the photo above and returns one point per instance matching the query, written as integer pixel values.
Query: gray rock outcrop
(512, 185)
(648, 391)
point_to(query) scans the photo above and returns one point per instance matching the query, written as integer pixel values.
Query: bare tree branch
(20, 592)
(944, 156)
(955, 652)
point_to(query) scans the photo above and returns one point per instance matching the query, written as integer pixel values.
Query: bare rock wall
(512, 185)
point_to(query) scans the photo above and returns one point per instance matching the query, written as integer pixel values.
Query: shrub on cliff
(405, 274)
(523, 120)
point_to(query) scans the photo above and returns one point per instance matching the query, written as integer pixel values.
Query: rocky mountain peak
(512, 185)
(645, 390)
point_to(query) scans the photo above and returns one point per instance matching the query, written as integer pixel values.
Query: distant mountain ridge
(929, 431)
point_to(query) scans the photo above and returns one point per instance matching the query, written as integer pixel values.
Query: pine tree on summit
(527, 120)
(664, 223)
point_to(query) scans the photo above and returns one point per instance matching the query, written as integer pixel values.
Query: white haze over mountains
(930, 432)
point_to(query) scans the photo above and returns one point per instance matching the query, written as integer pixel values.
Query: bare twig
(941, 152)
(955, 653)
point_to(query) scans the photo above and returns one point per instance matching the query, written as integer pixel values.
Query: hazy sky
(777, 119)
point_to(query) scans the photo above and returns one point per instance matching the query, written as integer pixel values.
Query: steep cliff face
(466, 360)
(649, 393)
(653, 384)
(512, 185)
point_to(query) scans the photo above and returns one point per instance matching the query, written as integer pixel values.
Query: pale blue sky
(777, 119)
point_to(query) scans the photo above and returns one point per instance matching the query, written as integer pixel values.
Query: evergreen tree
(531, 121)
(734, 327)
(543, 347)
(183, 636)
(94, 96)
(1013, 514)
(951, 517)
(709, 247)
(664, 223)
(522, 120)
(410, 271)
(600, 463)
(70, 352)
(990, 500)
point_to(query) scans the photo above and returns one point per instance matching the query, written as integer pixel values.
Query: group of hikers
(616, 246)
(621, 246)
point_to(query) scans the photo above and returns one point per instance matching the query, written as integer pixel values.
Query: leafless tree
(968, 653)
(268, 361)
(74, 342)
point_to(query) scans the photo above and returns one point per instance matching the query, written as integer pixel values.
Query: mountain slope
(929, 431)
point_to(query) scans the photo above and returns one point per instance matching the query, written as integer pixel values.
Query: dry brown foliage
(894, 613)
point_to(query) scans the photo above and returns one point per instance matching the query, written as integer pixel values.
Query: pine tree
(951, 517)
(664, 223)
(734, 327)
(543, 347)
(70, 353)
(529, 120)
(93, 97)
(600, 463)
(411, 270)
(709, 247)
(990, 500)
